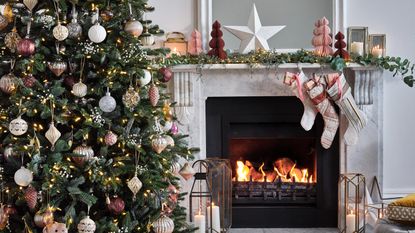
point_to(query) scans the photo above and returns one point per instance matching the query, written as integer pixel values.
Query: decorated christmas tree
(89, 141)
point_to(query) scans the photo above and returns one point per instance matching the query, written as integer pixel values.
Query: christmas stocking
(317, 93)
(296, 82)
(340, 92)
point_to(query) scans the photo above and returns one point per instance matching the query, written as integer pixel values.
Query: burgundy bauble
(116, 205)
(166, 73)
(29, 80)
(26, 47)
(70, 80)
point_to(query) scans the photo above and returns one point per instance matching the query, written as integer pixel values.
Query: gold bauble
(12, 39)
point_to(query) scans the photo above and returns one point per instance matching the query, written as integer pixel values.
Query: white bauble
(107, 103)
(97, 33)
(23, 177)
(147, 39)
(145, 79)
(60, 32)
(86, 225)
(167, 126)
(79, 89)
(169, 140)
(8, 152)
(18, 126)
(163, 224)
(133, 27)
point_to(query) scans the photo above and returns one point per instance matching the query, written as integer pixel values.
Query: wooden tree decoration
(195, 43)
(340, 45)
(216, 43)
(322, 39)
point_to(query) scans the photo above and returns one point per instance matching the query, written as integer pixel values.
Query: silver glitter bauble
(107, 103)
(75, 29)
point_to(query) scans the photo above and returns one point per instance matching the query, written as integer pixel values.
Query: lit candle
(350, 222)
(357, 48)
(377, 51)
(175, 51)
(200, 222)
(215, 217)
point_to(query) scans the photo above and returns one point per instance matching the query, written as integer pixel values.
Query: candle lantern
(352, 203)
(377, 45)
(220, 180)
(204, 213)
(357, 41)
(176, 42)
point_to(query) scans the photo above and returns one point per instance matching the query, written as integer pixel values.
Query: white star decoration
(254, 36)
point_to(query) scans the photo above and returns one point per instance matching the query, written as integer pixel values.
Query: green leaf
(409, 80)
(57, 90)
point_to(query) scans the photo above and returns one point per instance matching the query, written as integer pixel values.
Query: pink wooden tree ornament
(195, 43)
(322, 39)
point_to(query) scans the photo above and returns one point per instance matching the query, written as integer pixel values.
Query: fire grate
(278, 192)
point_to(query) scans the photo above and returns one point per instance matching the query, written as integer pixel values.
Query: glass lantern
(357, 40)
(377, 45)
(220, 179)
(352, 203)
(201, 207)
(176, 42)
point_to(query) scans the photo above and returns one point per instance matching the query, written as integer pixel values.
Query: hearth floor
(284, 230)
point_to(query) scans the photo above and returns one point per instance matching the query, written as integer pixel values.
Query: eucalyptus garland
(398, 66)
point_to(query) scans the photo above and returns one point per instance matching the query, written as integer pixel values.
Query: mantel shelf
(197, 68)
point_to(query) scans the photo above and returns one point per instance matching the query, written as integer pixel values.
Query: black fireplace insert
(282, 176)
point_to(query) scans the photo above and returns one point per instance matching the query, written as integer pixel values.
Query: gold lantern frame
(352, 203)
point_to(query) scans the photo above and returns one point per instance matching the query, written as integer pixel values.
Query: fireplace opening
(273, 171)
(282, 177)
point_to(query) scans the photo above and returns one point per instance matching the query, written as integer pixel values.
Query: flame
(246, 172)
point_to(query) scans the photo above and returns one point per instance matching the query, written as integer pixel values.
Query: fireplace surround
(194, 86)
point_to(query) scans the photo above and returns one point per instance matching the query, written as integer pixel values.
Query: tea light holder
(357, 41)
(176, 42)
(352, 203)
(377, 45)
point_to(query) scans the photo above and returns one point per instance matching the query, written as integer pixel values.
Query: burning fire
(284, 169)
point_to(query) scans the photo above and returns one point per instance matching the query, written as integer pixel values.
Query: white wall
(174, 15)
(394, 18)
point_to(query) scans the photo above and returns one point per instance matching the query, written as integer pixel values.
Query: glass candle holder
(377, 45)
(352, 203)
(357, 38)
(220, 179)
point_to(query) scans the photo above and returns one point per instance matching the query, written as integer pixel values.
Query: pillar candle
(350, 223)
(200, 222)
(215, 217)
(357, 48)
(377, 51)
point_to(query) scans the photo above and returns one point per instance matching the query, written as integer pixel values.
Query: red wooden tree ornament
(216, 43)
(340, 45)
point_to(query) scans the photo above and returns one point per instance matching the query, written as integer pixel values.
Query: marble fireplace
(246, 114)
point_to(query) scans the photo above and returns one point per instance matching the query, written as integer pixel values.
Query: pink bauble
(174, 129)
(110, 138)
(26, 47)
